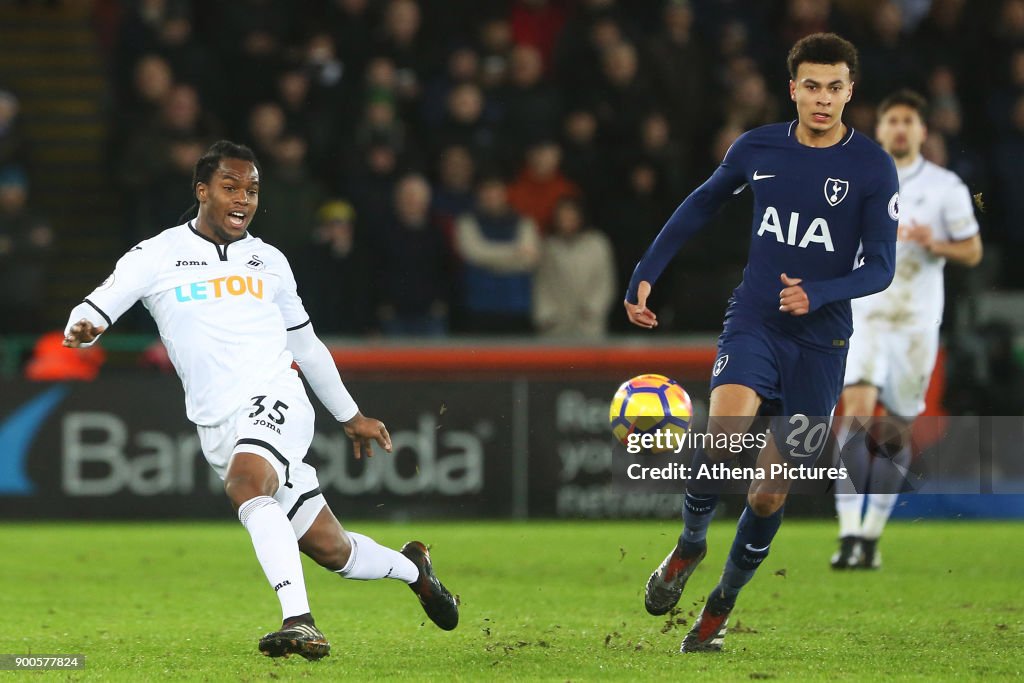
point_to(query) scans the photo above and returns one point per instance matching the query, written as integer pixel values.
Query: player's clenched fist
(82, 332)
(638, 313)
(793, 299)
(363, 431)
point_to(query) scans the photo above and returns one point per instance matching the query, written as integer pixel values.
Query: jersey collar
(222, 249)
(791, 133)
(912, 171)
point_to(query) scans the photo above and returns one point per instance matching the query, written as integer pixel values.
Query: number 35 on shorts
(271, 417)
(800, 438)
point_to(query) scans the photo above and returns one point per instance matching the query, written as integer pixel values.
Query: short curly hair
(822, 48)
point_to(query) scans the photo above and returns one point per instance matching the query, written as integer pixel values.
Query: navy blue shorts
(800, 386)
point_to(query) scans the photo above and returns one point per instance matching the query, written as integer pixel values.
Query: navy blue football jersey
(826, 215)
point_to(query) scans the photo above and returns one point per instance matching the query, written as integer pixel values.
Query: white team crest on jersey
(256, 263)
(835, 190)
(720, 365)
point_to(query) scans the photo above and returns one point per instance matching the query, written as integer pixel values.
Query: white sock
(278, 552)
(848, 509)
(880, 506)
(370, 560)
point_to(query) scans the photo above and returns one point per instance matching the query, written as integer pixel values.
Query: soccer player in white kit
(896, 332)
(226, 305)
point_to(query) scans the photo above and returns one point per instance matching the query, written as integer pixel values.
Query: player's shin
(698, 510)
(369, 560)
(880, 506)
(754, 536)
(849, 505)
(277, 551)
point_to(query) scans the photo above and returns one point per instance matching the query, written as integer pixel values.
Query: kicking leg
(355, 556)
(758, 524)
(732, 409)
(250, 483)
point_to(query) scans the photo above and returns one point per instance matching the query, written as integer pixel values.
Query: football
(648, 404)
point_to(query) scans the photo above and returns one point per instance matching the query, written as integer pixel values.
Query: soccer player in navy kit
(823, 232)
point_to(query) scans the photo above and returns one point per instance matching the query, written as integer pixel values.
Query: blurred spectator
(495, 37)
(574, 287)
(453, 192)
(252, 47)
(171, 191)
(583, 159)
(594, 28)
(540, 184)
(941, 34)
(308, 113)
(412, 261)
(26, 243)
(352, 22)
(152, 81)
(623, 99)
(51, 361)
(463, 67)
(669, 158)
(499, 248)
(749, 104)
(371, 184)
(531, 107)
(465, 124)
(335, 275)
(13, 148)
(191, 61)
(266, 126)
(802, 18)
(632, 219)
(147, 159)
(380, 123)
(886, 64)
(289, 197)
(679, 63)
(538, 23)
(403, 41)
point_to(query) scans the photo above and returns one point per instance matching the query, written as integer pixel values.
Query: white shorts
(899, 363)
(276, 425)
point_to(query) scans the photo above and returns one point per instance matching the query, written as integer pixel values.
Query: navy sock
(697, 513)
(754, 536)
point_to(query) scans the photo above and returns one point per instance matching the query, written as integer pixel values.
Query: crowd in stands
(435, 167)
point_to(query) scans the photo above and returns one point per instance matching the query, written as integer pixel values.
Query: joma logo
(190, 263)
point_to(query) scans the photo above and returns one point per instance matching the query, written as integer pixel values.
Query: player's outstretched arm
(82, 333)
(364, 431)
(688, 218)
(638, 313)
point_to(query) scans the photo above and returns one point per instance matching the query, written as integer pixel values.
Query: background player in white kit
(226, 305)
(896, 331)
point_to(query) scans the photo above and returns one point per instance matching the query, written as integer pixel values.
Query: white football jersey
(223, 312)
(933, 196)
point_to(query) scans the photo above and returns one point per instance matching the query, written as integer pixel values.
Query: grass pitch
(540, 600)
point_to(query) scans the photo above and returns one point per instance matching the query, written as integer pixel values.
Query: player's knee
(249, 476)
(331, 551)
(244, 486)
(765, 504)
